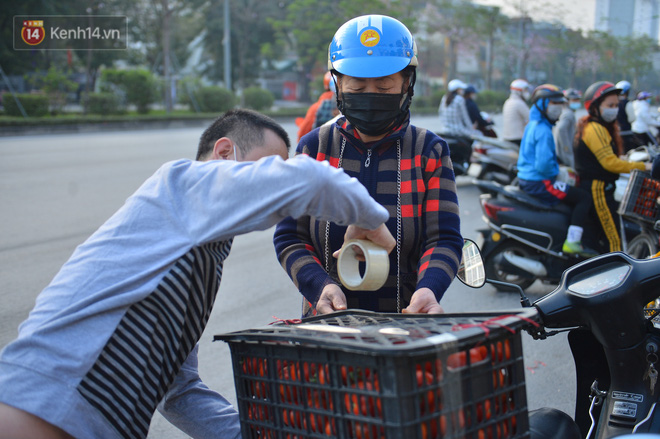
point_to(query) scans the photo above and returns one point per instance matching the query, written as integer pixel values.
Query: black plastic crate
(358, 374)
(640, 199)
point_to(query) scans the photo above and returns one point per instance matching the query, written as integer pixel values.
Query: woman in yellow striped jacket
(598, 146)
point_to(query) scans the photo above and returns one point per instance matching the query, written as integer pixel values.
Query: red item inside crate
(646, 203)
(640, 199)
(382, 376)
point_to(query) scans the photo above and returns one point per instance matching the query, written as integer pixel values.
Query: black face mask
(374, 114)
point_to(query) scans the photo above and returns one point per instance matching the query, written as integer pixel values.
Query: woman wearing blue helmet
(405, 168)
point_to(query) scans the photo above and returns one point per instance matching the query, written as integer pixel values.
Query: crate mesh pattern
(358, 374)
(639, 200)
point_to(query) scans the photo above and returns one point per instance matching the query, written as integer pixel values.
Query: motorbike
(460, 151)
(524, 238)
(487, 130)
(614, 338)
(493, 159)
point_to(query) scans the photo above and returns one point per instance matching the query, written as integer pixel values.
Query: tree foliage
(250, 30)
(309, 25)
(264, 33)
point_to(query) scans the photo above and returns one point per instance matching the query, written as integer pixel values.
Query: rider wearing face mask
(515, 113)
(538, 167)
(564, 129)
(598, 146)
(407, 169)
(643, 120)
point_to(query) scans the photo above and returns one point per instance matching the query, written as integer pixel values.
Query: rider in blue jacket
(538, 167)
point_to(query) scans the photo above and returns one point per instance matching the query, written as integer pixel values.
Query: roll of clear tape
(377, 265)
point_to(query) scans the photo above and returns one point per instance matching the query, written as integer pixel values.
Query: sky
(574, 14)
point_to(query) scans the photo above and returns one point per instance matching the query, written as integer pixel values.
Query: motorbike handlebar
(606, 294)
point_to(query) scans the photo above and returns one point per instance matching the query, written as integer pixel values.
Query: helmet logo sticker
(369, 38)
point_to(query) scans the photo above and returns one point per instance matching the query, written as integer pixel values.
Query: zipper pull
(367, 162)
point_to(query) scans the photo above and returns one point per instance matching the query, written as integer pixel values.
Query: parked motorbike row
(524, 237)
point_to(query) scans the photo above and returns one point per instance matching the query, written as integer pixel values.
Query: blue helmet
(642, 95)
(372, 46)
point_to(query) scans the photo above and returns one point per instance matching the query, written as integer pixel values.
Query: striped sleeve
(443, 242)
(599, 142)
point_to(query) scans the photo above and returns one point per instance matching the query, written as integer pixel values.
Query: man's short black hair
(245, 127)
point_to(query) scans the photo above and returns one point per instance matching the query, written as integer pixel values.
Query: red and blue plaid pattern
(431, 242)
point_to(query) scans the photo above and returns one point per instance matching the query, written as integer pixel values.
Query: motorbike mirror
(471, 269)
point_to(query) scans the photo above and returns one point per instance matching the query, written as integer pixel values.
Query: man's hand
(332, 299)
(380, 236)
(423, 301)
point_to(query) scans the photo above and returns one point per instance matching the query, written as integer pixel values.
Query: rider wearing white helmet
(643, 120)
(515, 113)
(626, 115)
(407, 169)
(454, 118)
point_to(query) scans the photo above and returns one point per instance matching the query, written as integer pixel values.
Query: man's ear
(222, 149)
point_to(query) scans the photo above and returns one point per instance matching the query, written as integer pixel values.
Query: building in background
(625, 18)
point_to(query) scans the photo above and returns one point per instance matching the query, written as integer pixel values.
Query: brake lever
(541, 334)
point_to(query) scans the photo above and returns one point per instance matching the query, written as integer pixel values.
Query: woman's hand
(332, 299)
(423, 301)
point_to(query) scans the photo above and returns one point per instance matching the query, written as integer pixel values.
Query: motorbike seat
(453, 139)
(514, 192)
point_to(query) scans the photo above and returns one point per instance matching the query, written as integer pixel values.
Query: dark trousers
(605, 206)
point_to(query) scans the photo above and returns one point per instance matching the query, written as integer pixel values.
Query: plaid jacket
(431, 242)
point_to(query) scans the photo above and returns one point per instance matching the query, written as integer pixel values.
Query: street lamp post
(227, 47)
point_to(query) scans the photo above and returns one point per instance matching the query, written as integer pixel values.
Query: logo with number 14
(33, 32)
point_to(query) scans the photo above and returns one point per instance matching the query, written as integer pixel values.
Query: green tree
(95, 59)
(19, 62)
(569, 49)
(56, 85)
(309, 25)
(164, 30)
(465, 27)
(250, 30)
(138, 85)
(636, 58)
(487, 23)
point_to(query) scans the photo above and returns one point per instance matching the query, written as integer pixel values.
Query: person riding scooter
(598, 146)
(626, 116)
(564, 129)
(643, 122)
(515, 113)
(455, 125)
(476, 116)
(538, 167)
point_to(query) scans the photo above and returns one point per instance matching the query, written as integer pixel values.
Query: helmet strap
(543, 112)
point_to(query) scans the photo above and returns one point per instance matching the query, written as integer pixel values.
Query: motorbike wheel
(493, 271)
(642, 246)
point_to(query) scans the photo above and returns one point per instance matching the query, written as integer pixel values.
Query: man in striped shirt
(114, 335)
(405, 168)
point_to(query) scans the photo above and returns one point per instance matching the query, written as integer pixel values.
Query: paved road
(56, 190)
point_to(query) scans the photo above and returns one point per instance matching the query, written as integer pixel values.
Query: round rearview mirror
(471, 270)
